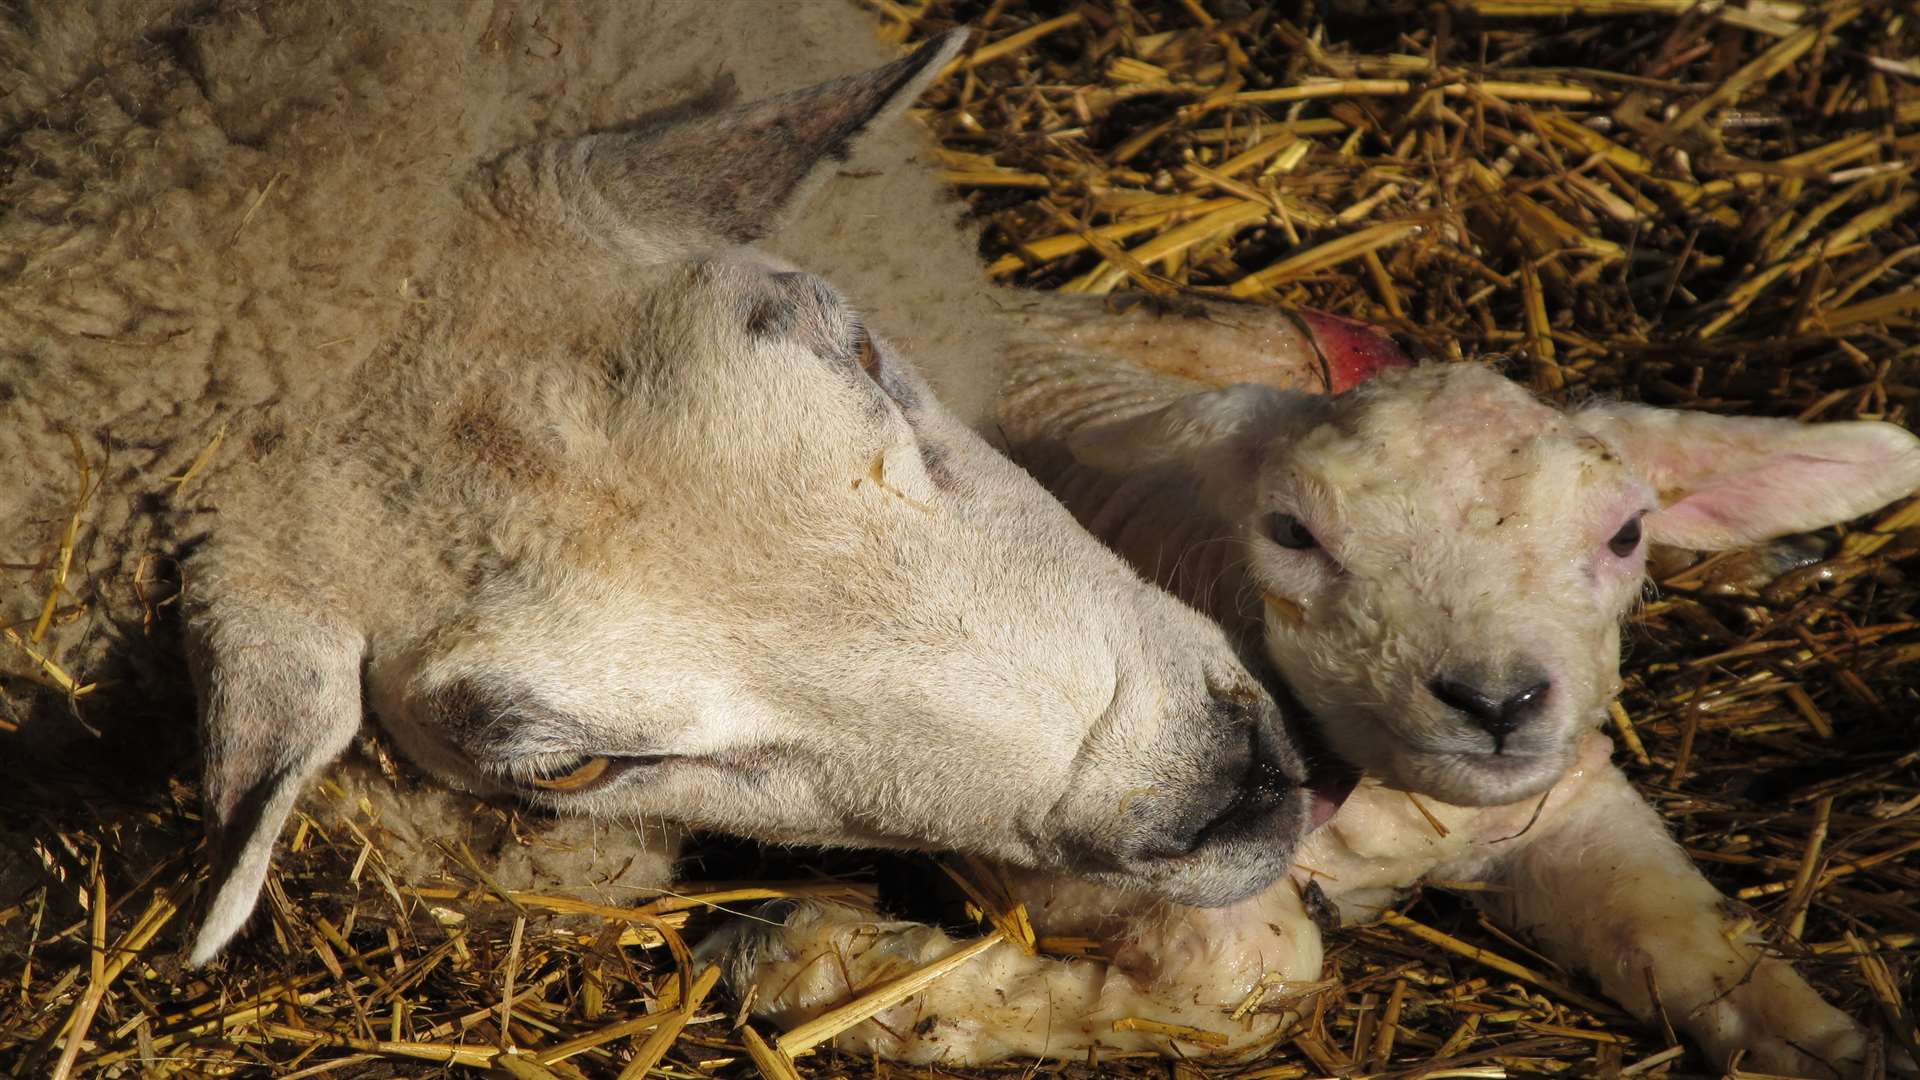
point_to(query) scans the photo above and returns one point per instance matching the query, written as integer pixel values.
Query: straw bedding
(1700, 205)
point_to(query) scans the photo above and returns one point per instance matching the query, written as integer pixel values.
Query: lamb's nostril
(1463, 698)
(1498, 717)
(1521, 707)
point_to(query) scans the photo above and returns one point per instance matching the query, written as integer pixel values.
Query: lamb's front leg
(1599, 884)
(1186, 967)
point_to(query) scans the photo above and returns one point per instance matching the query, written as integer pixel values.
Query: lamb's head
(664, 532)
(1443, 563)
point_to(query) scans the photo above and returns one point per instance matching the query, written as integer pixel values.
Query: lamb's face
(1438, 563)
(758, 580)
(1445, 564)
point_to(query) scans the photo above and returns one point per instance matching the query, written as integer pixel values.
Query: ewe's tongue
(1354, 351)
(1330, 782)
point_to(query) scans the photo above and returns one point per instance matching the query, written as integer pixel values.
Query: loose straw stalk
(816, 1031)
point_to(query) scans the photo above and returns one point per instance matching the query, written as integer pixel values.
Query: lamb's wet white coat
(1456, 525)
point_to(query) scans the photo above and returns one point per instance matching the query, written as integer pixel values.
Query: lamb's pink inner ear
(1728, 481)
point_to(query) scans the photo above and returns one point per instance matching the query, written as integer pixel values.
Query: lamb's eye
(570, 775)
(1626, 540)
(1286, 530)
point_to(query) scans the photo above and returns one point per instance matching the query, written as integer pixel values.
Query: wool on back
(211, 215)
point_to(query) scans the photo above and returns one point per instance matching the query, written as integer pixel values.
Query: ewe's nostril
(1213, 803)
(1268, 780)
(1252, 785)
(1266, 758)
(1238, 762)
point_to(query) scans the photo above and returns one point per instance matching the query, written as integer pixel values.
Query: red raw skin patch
(1354, 351)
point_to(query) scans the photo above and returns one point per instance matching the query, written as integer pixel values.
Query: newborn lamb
(1438, 564)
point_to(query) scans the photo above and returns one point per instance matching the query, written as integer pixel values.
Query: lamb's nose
(1498, 717)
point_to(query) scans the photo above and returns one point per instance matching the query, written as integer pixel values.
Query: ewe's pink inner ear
(1727, 481)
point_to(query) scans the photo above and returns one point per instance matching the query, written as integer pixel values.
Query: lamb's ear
(690, 186)
(1726, 481)
(1217, 439)
(279, 699)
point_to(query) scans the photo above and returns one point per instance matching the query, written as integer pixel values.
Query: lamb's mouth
(1476, 778)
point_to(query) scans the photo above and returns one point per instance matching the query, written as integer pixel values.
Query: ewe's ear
(1220, 434)
(1727, 481)
(683, 188)
(279, 699)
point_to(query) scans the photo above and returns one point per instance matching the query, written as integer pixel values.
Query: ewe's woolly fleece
(212, 213)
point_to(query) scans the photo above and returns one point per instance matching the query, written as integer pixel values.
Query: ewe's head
(663, 532)
(1443, 562)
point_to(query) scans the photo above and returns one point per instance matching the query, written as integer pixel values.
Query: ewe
(509, 432)
(1438, 566)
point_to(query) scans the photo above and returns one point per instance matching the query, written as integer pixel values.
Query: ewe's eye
(863, 351)
(570, 774)
(1286, 530)
(1626, 540)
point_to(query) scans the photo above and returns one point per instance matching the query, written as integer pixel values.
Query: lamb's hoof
(796, 957)
(803, 958)
(742, 946)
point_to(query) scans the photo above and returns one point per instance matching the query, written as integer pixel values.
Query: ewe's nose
(1263, 764)
(1252, 785)
(1497, 716)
